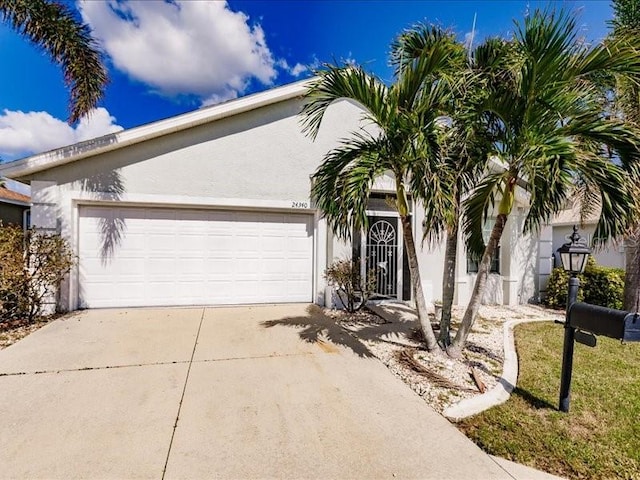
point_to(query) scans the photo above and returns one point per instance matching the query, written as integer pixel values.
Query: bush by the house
(352, 290)
(604, 286)
(598, 285)
(32, 266)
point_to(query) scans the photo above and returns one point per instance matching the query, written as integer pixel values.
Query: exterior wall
(255, 160)
(516, 282)
(11, 214)
(610, 255)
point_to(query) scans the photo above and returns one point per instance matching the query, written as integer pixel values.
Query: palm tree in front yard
(465, 145)
(403, 139)
(552, 135)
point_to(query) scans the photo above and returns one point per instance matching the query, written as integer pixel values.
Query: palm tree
(551, 134)
(626, 22)
(405, 140)
(52, 27)
(465, 145)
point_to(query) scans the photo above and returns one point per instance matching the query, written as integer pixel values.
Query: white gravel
(484, 351)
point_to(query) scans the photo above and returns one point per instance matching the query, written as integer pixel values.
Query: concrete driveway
(251, 392)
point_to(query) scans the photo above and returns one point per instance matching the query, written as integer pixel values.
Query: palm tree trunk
(455, 350)
(421, 305)
(448, 284)
(632, 272)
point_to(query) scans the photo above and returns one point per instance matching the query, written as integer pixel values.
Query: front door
(381, 254)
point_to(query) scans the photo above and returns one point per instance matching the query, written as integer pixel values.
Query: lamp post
(574, 256)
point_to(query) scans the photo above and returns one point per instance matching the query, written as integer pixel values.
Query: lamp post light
(574, 256)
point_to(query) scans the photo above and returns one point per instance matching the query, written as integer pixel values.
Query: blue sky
(166, 58)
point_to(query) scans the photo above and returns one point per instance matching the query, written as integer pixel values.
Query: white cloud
(182, 47)
(295, 71)
(298, 69)
(33, 132)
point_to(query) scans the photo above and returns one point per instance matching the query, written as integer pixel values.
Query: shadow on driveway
(317, 328)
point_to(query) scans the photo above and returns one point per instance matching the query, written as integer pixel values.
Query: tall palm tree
(404, 140)
(53, 27)
(465, 144)
(626, 22)
(551, 134)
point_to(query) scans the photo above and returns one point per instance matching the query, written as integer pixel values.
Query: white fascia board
(71, 153)
(570, 223)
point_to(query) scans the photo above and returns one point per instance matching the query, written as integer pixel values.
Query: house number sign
(295, 204)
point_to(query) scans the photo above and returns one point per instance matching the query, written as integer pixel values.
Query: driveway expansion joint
(258, 357)
(184, 389)
(85, 369)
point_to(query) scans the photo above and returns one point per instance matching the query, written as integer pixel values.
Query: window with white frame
(473, 262)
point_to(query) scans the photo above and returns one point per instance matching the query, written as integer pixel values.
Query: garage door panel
(191, 266)
(132, 267)
(186, 257)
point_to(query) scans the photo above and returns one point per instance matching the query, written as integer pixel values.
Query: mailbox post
(584, 321)
(574, 256)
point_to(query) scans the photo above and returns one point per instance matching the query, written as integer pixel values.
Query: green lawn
(600, 436)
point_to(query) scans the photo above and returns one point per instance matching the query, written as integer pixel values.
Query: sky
(167, 57)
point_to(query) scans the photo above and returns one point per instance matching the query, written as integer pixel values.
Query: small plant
(345, 277)
(32, 266)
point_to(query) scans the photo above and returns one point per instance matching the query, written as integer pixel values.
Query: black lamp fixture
(574, 254)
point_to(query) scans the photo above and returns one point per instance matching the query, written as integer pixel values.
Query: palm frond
(53, 28)
(342, 183)
(476, 209)
(349, 82)
(421, 40)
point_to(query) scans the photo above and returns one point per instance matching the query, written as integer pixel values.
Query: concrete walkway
(253, 392)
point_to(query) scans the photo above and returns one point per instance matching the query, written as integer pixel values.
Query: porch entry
(380, 251)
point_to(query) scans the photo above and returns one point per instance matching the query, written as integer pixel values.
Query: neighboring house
(610, 255)
(213, 207)
(14, 207)
(554, 235)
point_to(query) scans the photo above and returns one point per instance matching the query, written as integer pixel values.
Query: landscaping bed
(12, 331)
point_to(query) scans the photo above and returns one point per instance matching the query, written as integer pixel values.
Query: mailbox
(604, 321)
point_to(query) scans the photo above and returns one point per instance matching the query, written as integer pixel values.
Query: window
(473, 263)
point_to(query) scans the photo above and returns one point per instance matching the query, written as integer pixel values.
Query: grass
(599, 438)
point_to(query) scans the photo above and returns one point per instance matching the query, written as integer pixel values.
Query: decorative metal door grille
(382, 256)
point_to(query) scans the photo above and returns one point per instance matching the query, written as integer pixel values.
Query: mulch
(14, 330)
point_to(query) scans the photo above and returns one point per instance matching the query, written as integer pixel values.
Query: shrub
(598, 285)
(604, 286)
(344, 275)
(32, 266)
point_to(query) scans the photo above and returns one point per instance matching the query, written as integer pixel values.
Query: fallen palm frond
(405, 357)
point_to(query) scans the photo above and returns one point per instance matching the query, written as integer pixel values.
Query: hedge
(598, 285)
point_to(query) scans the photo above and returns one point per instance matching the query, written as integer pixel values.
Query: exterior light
(574, 254)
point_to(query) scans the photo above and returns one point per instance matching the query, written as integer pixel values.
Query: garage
(131, 256)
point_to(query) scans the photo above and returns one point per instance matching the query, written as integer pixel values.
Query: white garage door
(157, 256)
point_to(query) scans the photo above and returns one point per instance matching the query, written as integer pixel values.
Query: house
(213, 207)
(14, 207)
(611, 254)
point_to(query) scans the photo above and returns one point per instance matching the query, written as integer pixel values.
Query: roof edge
(71, 153)
(15, 202)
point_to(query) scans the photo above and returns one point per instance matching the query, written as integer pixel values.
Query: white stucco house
(213, 207)
(611, 254)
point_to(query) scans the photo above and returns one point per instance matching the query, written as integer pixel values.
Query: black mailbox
(604, 321)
